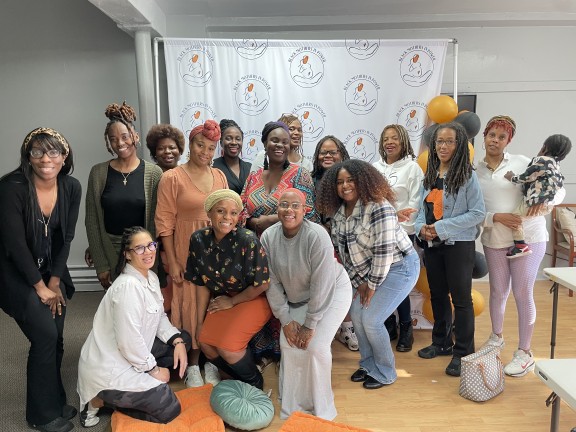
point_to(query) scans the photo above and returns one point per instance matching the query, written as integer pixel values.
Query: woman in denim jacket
(447, 227)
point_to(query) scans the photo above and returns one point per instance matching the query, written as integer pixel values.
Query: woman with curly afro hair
(378, 256)
(166, 144)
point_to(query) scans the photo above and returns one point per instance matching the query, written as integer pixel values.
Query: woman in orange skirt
(230, 270)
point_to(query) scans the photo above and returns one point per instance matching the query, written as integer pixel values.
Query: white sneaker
(211, 374)
(495, 341)
(520, 365)
(193, 377)
(347, 336)
(88, 416)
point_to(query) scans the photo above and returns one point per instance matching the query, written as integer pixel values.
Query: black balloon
(480, 267)
(427, 135)
(471, 123)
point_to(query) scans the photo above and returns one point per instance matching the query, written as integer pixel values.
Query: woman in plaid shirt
(378, 256)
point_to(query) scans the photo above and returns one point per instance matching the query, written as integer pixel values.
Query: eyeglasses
(139, 250)
(448, 143)
(285, 205)
(37, 153)
(329, 152)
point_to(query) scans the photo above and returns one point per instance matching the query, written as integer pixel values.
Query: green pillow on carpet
(241, 405)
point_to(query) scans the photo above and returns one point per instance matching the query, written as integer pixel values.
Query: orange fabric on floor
(196, 415)
(232, 329)
(300, 422)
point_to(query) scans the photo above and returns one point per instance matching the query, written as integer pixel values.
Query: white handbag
(482, 375)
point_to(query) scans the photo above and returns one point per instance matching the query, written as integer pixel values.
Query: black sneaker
(57, 425)
(453, 368)
(433, 351)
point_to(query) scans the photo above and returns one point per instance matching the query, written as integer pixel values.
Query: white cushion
(567, 220)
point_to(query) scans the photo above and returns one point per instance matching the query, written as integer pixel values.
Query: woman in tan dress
(179, 212)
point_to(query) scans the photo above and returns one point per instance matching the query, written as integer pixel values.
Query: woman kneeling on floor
(125, 362)
(229, 268)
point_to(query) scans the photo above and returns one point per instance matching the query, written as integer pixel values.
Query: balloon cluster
(443, 109)
(480, 270)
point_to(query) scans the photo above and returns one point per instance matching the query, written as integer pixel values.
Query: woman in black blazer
(40, 203)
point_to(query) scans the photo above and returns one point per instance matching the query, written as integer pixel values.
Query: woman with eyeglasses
(126, 360)
(310, 293)
(125, 182)
(296, 154)
(229, 268)
(447, 226)
(405, 176)
(40, 203)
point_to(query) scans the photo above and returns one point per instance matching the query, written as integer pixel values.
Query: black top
(19, 241)
(234, 183)
(123, 205)
(46, 232)
(232, 265)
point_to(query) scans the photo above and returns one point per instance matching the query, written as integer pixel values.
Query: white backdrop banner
(347, 88)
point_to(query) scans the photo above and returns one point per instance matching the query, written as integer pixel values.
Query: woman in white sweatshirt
(405, 176)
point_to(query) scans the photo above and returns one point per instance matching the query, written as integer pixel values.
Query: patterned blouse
(232, 265)
(257, 202)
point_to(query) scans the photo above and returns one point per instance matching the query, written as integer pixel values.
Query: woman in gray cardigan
(121, 192)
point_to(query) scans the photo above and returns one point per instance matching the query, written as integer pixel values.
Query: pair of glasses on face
(449, 143)
(37, 153)
(329, 152)
(285, 205)
(139, 250)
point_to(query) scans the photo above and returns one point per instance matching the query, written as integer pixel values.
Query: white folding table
(565, 276)
(560, 376)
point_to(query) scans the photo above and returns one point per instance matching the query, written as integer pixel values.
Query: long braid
(124, 114)
(460, 166)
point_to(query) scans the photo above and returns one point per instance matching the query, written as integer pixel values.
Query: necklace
(45, 221)
(125, 176)
(492, 169)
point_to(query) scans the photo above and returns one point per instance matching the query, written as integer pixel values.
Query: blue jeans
(376, 355)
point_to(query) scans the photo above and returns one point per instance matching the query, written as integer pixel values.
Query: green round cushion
(241, 405)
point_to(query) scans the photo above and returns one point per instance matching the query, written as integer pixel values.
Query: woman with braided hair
(296, 154)
(40, 203)
(125, 182)
(234, 168)
(447, 226)
(180, 212)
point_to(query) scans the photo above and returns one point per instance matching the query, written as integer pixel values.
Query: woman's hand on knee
(291, 333)
(365, 294)
(220, 303)
(304, 337)
(160, 373)
(180, 359)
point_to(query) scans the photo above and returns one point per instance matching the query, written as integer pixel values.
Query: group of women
(274, 260)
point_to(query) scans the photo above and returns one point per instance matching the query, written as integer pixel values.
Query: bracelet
(154, 371)
(178, 342)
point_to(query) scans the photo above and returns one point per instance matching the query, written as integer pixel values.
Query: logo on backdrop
(362, 49)
(195, 114)
(311, 117)
(307, 66)
(361, 94)
(362, 144)
(252, 144)
(416, 65)
(412, 116)
(250, 49)
(252, 94)
(195, 65)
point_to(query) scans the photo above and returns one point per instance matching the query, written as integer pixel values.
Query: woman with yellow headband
(40, 203)
(229, 268)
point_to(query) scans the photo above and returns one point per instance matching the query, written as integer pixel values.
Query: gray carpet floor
(14, 354)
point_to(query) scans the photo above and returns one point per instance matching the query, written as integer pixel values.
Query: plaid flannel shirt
(369, 242)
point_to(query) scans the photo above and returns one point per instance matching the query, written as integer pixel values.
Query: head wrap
(270, 126)
(502, 120)
(209, 129)
(47, 131)
(301, 196)
(220, 195)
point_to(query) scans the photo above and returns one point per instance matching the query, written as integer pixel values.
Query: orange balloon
(423, 160)
(427, 310)
(479, 303)
(471, 149)
(422, 283)
(442, 109)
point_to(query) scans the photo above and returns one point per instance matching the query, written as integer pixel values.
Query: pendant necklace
(496, 167)
(125, 177)
(45, 221)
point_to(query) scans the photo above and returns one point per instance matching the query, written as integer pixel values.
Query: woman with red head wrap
(180, 211)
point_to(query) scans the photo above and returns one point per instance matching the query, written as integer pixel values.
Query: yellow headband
(220, 195)
(47, 131)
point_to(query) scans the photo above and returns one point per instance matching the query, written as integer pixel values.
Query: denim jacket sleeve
(421, 216)
(463, 213)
